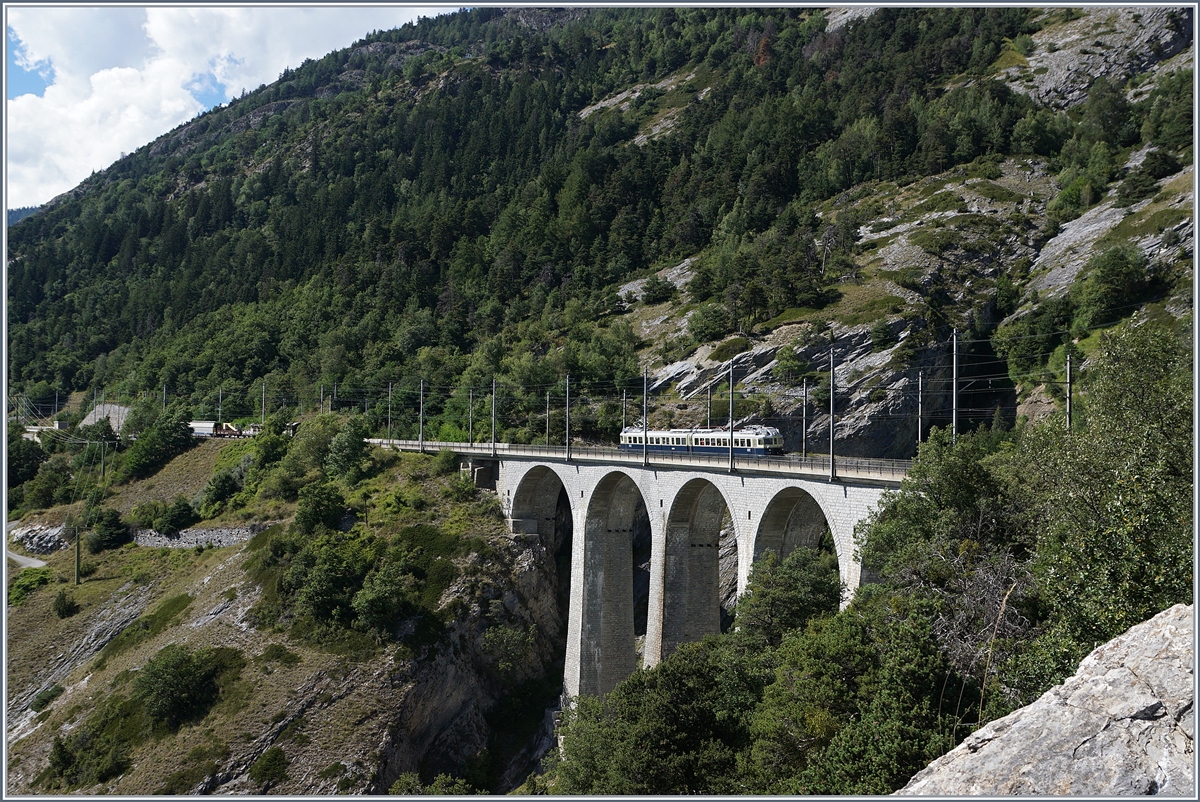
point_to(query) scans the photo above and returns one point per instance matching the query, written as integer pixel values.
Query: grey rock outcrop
(1123, 725)
(39, 538)
(189, 538)
(1114, 42)
(115, 413)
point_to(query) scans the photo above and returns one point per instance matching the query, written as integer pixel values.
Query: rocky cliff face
(1123, 725)
(438, 723)
(1077, 46)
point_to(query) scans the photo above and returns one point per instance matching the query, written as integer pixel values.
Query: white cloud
(56, 141)
(123, 76)
(80, 42)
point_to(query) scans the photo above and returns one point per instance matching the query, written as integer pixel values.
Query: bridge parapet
(882, 471)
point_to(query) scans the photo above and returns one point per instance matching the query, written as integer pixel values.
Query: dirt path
(24, 562)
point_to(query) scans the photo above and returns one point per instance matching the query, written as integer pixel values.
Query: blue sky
(88, 83)
(18, 80)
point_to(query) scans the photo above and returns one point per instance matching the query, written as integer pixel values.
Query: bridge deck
(886, 471)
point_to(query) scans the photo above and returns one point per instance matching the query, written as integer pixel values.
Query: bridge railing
(885, 470)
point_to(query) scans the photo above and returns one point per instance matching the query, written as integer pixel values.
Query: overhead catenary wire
(598, 392)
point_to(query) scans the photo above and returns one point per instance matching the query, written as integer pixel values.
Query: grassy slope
(348, 698)
(186, 476)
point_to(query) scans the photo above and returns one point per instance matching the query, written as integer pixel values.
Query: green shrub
(270, 767)
(26, 582)
(64, 606)
(1114, 279)
(145, 514)
(178, 685)
(220, 488)
(175, 518)
(658, 290)
(882, 336)
(460, 489)
(709, 323)
(730, 348)
(787, 594)
(321, 504)
(108, 532)
(98, 749)
(508, 647)
(788, 366)
(168, 437)
(941, 202)
(445, 463)
(936, 242)
(1081, 189)
(44, 698)
(348, 450)
(277, 653)
(385, 597)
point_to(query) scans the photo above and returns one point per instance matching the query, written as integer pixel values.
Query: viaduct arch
(703, 526)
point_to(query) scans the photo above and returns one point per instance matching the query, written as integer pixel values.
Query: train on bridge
(752, 441)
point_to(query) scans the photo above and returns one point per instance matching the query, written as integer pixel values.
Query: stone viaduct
(704, 513)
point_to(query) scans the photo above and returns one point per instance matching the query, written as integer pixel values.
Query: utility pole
(832, 410)
(568, 422)
(263, 416)
(493, 416)
(920, 382)
(547, 417)
(622, 410)
(954, 395)
(471, 415)
(645, 418)
(804, 421)
(76, 555)
(708, 420)
(1068, 391)
(219, 399)
(321, 408)
(421, 419)
(389, 436)
(731, 416)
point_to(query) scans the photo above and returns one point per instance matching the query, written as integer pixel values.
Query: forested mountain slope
(463, 199)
